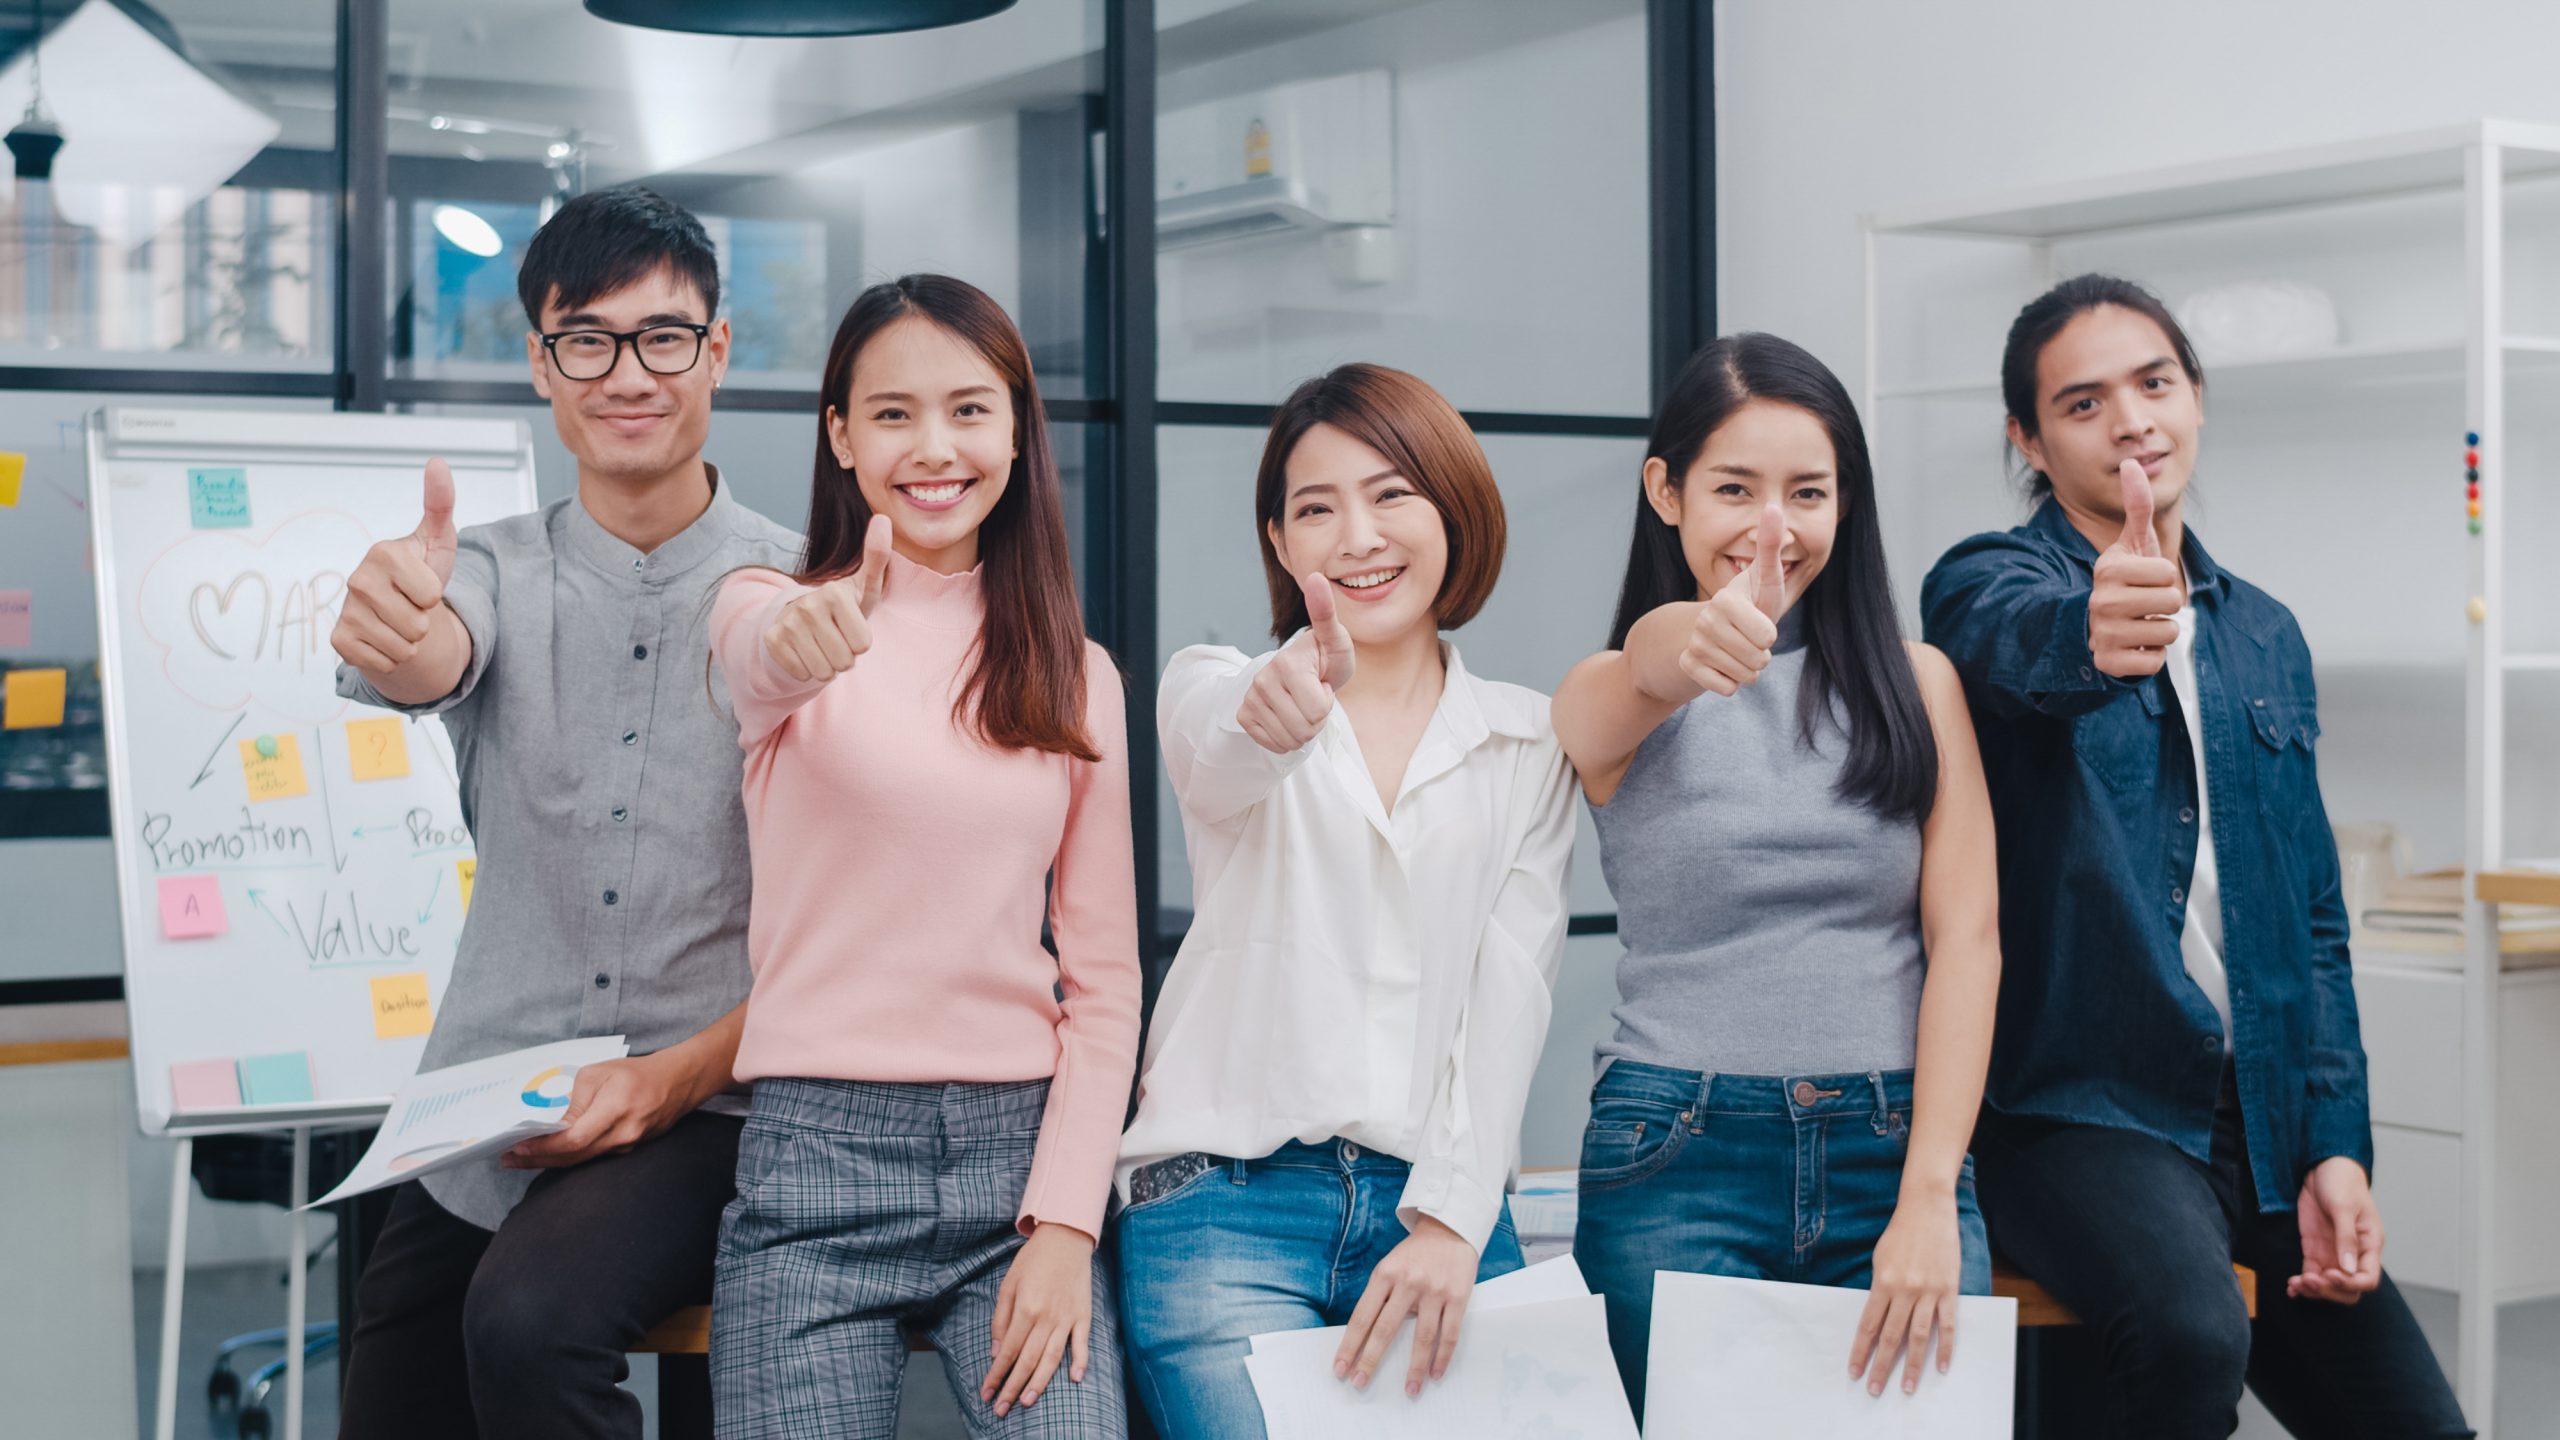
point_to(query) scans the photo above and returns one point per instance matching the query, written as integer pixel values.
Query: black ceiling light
(795, 17)
(35, 139)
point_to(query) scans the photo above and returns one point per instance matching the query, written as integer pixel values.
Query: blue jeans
(1762, 1176)
(1245, 1247)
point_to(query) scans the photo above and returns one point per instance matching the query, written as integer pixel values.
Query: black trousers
(2139, 1240)
(461, 1332)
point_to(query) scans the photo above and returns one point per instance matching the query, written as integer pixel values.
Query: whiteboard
(290, 866)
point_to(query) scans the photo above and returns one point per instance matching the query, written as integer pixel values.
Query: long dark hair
(2044, 318)
(1027, 690)
(1853, 638)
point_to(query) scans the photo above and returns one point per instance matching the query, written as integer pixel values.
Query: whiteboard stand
(173, 1284)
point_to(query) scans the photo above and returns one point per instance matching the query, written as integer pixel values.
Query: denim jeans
(1245, 1247)
(1761, 1176)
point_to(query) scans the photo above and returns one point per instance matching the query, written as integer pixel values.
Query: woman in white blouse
(1330, 1102)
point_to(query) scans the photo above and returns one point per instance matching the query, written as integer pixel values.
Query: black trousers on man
(2138, 1239)
(461, 1333)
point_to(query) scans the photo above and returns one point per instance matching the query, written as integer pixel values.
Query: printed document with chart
(469, 1113)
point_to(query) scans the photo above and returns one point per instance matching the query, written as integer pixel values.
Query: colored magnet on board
(2475, 527)
(2476, 611)
(2471, 437)
(32, 699)
(191, 907)
(2471, 457)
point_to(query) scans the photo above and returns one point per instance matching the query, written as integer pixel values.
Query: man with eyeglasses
(566, 653)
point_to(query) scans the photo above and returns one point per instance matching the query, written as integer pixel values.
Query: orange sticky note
(13, 474)
(32, 699)
(400, 1006)
(469, 870)
(377, 749)
(191, 907)
(273, 765)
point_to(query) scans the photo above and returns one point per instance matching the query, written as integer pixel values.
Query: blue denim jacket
(2095, 797)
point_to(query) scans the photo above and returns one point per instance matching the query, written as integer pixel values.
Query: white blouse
(1380, 976)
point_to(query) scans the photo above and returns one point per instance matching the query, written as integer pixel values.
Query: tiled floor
(223, 1302)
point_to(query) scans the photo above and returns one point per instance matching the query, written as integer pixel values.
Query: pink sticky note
(191, 907)
(204, 1084)
(17, 619)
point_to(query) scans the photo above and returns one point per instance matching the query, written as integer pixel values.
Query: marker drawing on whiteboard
(435, 889)
(258, 898)
(252, 844)
(347, 936)
(217, 751)
(320, 747)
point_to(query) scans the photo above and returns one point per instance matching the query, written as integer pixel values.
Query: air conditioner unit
(1312, 156)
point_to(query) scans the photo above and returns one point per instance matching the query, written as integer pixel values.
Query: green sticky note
(218, 499)
(276, 1079)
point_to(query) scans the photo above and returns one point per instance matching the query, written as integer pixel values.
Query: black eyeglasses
(669, 349)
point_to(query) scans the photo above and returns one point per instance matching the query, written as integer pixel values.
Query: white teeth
(936, 494)
(1363, 582)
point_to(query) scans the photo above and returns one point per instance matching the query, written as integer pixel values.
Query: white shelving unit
(2444, 1043)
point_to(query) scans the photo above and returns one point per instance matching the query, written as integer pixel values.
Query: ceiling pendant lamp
(794, 17)
(36, 139)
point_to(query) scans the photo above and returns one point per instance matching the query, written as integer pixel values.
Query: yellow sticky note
(13, 474)
(377, 749)
(400, 1007)
(276, 776)
(33, 699)
(468, 870)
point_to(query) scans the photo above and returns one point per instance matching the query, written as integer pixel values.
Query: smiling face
(927, 428)
(1764, 451)
(1345, 511)
(633, 426)
(2109, 388)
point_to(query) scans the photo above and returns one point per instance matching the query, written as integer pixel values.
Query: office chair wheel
(253, 1423)
(222, 1389)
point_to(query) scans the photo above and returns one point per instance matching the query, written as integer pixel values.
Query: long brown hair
(1027, 690)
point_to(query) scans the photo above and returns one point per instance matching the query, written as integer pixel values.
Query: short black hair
(604, 240)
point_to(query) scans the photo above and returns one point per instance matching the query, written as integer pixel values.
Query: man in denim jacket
(2177, 1079)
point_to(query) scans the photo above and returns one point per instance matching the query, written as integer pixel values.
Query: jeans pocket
(1184, 1186)
(1627, 1140)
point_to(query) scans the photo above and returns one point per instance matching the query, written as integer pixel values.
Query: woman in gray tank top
(1803, 864)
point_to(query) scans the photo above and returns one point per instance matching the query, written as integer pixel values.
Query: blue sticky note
(276, 1079)
(218, 499)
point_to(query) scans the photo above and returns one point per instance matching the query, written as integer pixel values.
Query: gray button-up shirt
(600, 781)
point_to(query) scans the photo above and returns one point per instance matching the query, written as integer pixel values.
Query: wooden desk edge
(2518, 887)
(64, 1052)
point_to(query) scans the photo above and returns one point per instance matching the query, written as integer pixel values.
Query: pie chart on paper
(549, 1089)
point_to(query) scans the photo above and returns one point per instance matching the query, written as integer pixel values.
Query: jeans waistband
(889, 1107)
(1164, 1176)
(1794, 1096)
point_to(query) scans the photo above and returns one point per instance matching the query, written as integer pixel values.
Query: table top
(2519, 887)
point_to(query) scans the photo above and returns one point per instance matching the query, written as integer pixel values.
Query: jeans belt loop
(1235, 1170)
(1697, 1116)
(1884, 1107)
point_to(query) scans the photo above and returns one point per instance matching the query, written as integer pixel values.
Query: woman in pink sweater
(929, 736)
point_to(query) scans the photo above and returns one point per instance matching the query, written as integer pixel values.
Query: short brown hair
(1422, 435)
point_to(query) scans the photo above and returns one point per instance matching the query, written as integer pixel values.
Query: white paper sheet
(1749, 1359)
(1533, 1360)
(466, 1114)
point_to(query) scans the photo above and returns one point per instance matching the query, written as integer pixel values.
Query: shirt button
(2209, 1043)
(2178, 894)
(619, 813)
(639, 565)
(2084, 672)
(630, 737)
(613, 897)
(639, 652)
(2186, 815)
(603, 981)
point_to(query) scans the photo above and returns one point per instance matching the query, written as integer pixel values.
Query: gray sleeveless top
(1771, 928)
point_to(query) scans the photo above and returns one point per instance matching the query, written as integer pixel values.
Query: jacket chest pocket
(2285, 733)
(2120, 743)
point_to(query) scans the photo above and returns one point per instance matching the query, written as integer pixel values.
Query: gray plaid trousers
(866, 1209)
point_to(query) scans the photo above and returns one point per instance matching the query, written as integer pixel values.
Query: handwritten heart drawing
(222, 607)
